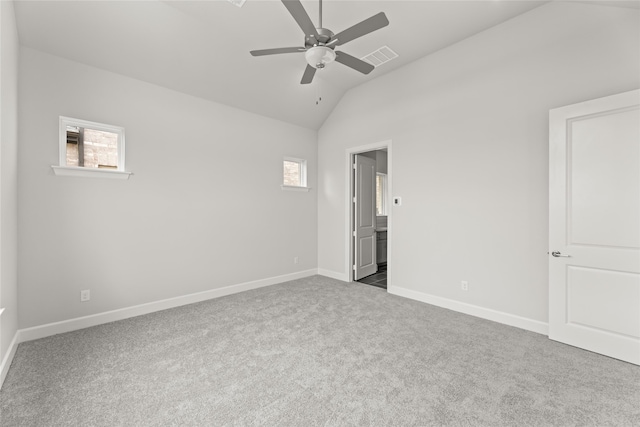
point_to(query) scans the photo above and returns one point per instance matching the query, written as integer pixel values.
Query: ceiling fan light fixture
(319, 56)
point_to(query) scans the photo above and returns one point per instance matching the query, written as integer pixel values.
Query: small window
(294, 173)
(89, 146)
(381, 194)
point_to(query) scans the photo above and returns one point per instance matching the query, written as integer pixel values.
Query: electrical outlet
(295, 259)
(464, 285)
(85, 295)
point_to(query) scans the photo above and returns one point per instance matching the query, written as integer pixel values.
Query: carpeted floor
(314, 351)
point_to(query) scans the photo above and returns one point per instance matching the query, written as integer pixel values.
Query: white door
(594, 225)
(365, 217)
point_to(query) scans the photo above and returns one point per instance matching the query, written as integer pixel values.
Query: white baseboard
(8, 358)
(333, 274)
(474, 310)
(49, 329)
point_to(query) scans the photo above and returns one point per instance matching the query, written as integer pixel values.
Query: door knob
(557, 254)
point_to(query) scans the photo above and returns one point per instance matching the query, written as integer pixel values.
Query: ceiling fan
(320, 43)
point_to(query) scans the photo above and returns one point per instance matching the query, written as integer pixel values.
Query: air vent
(238, 3)
(380, 56)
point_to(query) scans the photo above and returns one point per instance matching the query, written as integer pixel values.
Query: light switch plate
(397, 201)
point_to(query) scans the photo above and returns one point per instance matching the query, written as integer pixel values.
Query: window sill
(294, 188)
(90, 173)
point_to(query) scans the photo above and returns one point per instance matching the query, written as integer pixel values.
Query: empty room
(296, 213)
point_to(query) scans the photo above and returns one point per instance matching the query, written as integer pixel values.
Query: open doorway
(369, 214)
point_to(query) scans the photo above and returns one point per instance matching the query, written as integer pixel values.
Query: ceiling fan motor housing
(324, 37)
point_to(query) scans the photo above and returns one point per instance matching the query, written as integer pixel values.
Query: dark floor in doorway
(379, 279)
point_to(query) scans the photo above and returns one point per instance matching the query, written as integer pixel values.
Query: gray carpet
(310, 352)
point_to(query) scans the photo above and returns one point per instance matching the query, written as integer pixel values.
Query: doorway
(369, 213)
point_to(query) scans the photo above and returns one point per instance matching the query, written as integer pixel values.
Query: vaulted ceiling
(202, 47)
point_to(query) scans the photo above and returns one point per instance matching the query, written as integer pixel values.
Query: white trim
(350, 152)
(8, 358)
(333, 274)
(90, 172)
(1, 310)
(294, 188)
(473, 310)
(54, 328)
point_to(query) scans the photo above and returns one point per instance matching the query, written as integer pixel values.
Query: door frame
(350, 223)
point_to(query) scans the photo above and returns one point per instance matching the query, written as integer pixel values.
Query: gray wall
(380, 157)
(469, 131)
(203, 210)
(381, 161)
(8, 175)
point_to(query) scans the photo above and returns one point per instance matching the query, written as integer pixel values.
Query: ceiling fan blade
(307, 77)
(296, 10)
(277, 51)
(365, 27)
(353, 62)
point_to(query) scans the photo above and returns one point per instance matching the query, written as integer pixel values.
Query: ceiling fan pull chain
(320, 14)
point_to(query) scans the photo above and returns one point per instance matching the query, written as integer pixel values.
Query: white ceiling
(202, 47)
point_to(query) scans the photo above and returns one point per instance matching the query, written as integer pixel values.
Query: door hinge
(354, 268)
(354, 200)
(354, 234)
(354, 166)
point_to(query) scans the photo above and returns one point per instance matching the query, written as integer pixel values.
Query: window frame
(63, 169)
(303, 174)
